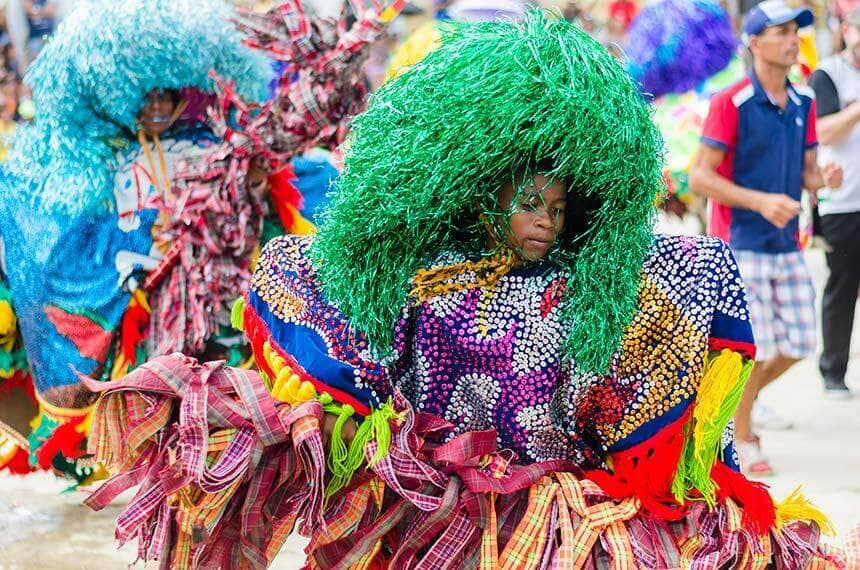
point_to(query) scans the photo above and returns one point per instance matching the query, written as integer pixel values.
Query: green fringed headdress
(434, 145)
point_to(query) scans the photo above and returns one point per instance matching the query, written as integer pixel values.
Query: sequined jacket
(489, 358)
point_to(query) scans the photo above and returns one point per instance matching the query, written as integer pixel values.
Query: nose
(543, 219)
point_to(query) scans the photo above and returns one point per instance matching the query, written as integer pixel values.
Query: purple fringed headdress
(674, 45)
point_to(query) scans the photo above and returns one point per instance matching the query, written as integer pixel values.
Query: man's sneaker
(764, 417)
(752, 460)
(836, 390)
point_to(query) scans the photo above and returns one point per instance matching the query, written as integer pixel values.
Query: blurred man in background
(837, 88)
(758, 152)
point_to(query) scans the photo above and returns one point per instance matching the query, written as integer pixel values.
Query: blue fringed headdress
(90, 81)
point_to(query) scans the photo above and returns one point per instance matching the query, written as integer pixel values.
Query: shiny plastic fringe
(90, 80)
(430, 153)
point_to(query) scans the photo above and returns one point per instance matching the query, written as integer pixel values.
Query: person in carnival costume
(484, 358)
(81, 189)
(150, 209)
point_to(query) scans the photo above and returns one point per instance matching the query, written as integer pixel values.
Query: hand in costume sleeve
(307, 350)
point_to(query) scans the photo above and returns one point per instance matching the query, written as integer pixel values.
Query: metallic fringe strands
(429, 154)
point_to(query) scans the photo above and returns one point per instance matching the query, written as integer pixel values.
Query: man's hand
(832, 175)
(778, 209)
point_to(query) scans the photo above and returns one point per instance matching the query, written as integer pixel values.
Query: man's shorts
(781, 303)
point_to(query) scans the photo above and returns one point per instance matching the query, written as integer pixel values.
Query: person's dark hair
(174, 94)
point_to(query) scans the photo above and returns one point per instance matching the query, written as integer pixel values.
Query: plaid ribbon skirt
(225, 474)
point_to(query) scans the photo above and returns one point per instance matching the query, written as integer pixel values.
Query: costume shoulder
(683, 252)
(295, 331)
(287, 253)
(686, 272)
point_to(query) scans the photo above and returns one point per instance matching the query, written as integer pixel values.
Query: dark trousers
(842, 232)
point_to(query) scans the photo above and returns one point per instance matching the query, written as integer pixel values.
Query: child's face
(536, 218)
(156, 115)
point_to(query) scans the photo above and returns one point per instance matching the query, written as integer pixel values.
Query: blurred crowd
(25, 26)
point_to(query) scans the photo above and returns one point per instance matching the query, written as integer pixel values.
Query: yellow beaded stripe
(429, 283)
(645, 357)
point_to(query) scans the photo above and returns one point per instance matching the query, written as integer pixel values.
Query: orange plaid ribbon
(562, 490)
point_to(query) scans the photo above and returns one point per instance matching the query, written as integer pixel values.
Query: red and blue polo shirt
(765, 147)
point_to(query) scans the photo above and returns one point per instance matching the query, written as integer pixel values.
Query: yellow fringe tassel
(796, 507)
(719, 392)
(721, 387)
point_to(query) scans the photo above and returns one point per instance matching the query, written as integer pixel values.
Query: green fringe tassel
(702, 440)
(236, 315)
(343, 462)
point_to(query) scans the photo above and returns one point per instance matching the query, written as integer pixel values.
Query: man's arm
(833, 129)
(833, 124)
(815, 178)
(778, 209)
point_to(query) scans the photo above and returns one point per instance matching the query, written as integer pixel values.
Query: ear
(752, 47)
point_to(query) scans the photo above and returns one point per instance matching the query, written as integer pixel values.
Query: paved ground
(40, 528)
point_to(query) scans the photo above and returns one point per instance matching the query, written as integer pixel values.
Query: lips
(538, 243)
